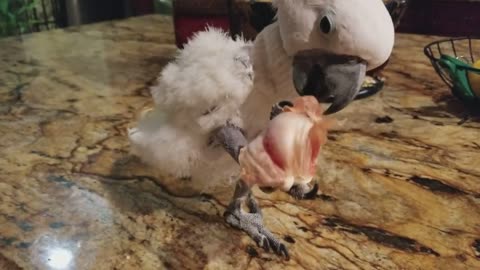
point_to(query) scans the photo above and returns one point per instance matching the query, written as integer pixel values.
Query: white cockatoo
(217, 95)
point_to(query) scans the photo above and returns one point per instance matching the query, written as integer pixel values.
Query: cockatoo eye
(326, 24)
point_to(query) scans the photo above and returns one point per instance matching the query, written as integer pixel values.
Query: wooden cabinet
(245, 17)
(442, 17)
(430, 17)
(191, 16)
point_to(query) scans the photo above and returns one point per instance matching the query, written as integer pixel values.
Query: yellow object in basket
(474, 79)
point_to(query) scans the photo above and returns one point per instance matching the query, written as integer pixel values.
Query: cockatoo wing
(199, 91)
(208, 80)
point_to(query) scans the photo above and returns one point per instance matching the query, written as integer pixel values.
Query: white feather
(196, 93)
(212, 73)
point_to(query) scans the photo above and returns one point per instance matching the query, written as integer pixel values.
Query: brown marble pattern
(399, 180)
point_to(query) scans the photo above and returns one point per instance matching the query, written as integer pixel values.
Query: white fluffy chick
(196, 93)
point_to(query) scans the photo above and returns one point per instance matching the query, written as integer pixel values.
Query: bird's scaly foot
(252, 222)
(304, 191)
(233, 140)
(278, 108)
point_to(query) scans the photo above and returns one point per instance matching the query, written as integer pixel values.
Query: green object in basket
(458, 71)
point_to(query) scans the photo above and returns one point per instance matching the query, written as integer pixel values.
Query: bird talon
(278, 108)
(264, 243)
(312, 193)
(252, 222)
(304, 192)
(283, 251)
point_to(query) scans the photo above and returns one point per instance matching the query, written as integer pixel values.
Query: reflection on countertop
(399, 180)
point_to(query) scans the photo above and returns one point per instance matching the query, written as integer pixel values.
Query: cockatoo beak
(331, 78)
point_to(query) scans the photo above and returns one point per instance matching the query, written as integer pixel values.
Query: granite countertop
(399, 181)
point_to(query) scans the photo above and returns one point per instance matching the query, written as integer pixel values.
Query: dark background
(430, 17)
(442, 17)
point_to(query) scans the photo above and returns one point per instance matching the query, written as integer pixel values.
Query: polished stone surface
(399, 180)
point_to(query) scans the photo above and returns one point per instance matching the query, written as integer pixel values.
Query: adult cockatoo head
(333, 43)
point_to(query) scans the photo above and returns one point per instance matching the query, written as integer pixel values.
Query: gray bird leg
(252, 222)
(233, 139)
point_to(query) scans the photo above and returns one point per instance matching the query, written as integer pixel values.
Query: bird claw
(312, 194)
(252, 224)
(278, 108)
(283, 251)
(304, 192)
(263, 243)
(268, 242)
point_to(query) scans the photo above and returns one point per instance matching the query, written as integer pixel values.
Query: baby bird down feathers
(197, 92)
(211, 76)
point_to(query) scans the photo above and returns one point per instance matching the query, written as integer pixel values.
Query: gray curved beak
(331, 78)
